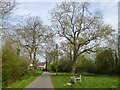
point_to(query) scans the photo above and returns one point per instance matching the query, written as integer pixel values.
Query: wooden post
(80, 78)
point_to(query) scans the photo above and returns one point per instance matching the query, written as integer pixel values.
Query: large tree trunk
(73, 68)
(34, 60)
(46, 65)
(75, 56)
(70, 54)
(30, 56)
(30, 61)
(74, 62)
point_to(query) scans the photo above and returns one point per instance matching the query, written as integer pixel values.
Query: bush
(105, 62)
(85, 65)
(64, 66)
(13, 66)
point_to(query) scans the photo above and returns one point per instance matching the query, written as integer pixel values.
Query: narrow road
(43, 81)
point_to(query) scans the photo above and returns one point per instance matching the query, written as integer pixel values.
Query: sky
(42, 8)
(67, 0)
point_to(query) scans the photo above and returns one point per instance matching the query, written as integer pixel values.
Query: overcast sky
(108, 8)
(41, 8)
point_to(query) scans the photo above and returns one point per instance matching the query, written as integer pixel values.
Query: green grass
(87, 81)
(25, 80)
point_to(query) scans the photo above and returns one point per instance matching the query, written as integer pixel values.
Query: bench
(76, 79)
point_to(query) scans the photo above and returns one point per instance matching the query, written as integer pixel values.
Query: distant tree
(105, 62)
(113, 43)
(67, 50)
(79, 25)
(51, 56)
(61, 65)
(31, 34)
(48, 47)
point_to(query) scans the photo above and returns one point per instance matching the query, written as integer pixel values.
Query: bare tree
(30, 35)
(6, 8)
(48, 45)
(82, 27)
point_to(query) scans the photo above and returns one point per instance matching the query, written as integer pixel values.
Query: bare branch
(88, 50)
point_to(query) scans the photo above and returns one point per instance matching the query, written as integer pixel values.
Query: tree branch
(64, 34)
(88, 50)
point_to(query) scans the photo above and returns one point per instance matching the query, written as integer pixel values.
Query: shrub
(105, 62)
(13, 66)
(85, 65)
(64, 66)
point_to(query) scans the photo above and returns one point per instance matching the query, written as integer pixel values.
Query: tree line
(105, 62)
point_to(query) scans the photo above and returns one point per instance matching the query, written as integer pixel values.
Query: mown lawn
(25, 80)
(87, 81)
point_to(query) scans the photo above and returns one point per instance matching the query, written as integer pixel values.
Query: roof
(41, 63)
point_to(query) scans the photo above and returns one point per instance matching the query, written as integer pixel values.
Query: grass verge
(25, 80)
(87, 81)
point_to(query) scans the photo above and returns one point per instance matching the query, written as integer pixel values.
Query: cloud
(39, 0)
(110, 13)
(36, 9)
(67, 0)
(112, 20)
(109, 10)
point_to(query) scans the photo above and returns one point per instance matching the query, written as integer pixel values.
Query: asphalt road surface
(43, 81)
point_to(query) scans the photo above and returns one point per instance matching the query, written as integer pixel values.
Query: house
(41, 65)
(30, 67)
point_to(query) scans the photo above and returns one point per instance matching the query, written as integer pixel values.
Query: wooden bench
(76, 79)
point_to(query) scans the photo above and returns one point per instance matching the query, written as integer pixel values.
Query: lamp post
(46, 60)
(56, 59)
